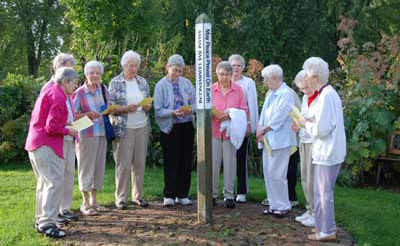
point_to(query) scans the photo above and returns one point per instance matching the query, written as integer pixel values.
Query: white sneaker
(168, 202)
(309, 222)
(241, 198)
(184, 201)
(302, 217)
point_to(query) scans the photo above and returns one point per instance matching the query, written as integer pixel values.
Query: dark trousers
(292, 175)
(241, 168)
(177, 147)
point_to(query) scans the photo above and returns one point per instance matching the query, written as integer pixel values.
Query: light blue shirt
(275, 114)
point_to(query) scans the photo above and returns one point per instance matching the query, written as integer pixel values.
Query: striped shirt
(86, 101)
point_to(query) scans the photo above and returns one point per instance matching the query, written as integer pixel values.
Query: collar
(217, 88)
(323, 87)
(60, 90)
(280, 90)
(86, 89)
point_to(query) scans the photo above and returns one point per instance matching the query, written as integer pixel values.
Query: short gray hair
(237, 57)
(224, 65)
(62, 59)
(65, 73)
(300, 77)
(317, 66)
(93, 64)
(130, 55)
(272, 70)
(176, 60)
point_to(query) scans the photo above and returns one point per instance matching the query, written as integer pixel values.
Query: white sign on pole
(203, 66)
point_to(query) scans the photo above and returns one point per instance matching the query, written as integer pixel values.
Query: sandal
(280, 213)
(88, 211)
(99, 208)
(52, 231)
(268, 211)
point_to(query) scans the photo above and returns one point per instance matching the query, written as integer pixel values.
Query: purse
(110, 134)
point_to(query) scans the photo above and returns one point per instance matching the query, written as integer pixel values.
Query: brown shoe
(315, 237)
(314, 230)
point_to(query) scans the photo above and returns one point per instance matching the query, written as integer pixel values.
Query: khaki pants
(130, 154)
(307, 175)
(91, 155)
(223, 150)
(49, 172)
(69, 157)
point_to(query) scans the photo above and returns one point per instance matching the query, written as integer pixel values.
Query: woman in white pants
(275, 133)
(326, 127)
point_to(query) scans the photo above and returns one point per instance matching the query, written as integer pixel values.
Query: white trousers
(275, 168)
(91, 154)
(324, 184)
(49, 172)
(307, 174)
(224, 151)
(69, 157)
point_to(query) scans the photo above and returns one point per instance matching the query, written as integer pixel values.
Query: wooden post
(204, 106)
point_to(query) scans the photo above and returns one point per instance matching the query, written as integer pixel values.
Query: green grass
(372, 217)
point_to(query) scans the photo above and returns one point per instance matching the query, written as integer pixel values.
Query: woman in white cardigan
(326, 127)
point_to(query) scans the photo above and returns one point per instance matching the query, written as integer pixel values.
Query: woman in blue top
(173, 97)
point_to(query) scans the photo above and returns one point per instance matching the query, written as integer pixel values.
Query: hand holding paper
(81, 124)
(146, 101)
(111, 108)
(186, 108)
(296, 116)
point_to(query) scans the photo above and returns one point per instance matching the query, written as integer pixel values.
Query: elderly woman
(325, 125)
(305, 146)
(250, 93)
(45, 144)
(91, 149)
(226, 95)
(65, 215)
(61, 60)
(275, 134)
(132, 126)
(174, 99)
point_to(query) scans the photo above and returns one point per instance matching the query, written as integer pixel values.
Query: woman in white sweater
(326, 127)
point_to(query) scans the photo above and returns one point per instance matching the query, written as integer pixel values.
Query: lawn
(370, 216)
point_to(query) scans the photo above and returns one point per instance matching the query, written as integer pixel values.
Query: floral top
(117, 90)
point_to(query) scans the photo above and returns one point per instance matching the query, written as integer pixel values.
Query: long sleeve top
(250, 93)
(48, 121)
(234, 98)
(327, 129)
(164, 101)
(275, 114)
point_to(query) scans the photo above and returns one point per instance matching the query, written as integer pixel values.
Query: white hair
(176, 60)
(237, 57)
(65, 73)
(299, 79)
(93, 64)
(130, 55)
(62, 59)
(224, 65)
(272, 70)
(317, 66)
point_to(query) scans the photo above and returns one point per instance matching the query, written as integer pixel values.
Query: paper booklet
(81, 124)
(146, 101)
(295, 115)
(110, 107)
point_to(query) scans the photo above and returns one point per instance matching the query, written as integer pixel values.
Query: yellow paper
(111, 107)
(267, 148)
(186, 108)
(293, 150)
(81, 124)
(215, 111)
(295, 115)
(146, 101)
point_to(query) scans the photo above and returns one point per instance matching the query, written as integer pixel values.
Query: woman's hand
(248, 129)
(178, 113)
(223, 116)
(93, 115)
(295, 128)
(72, 132)
(132, 108)
(146, 108)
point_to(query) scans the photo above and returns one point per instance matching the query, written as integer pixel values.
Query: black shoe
(121, 205)
(280, 213)
(214, 202)
(68, 215)
(230, 203)
(61, 220)
(51, 231)
(141, 203)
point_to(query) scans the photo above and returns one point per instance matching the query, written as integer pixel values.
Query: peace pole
(204, 105)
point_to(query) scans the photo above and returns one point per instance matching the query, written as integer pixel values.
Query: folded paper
(81, 124)
(146, 101)
(110, 108)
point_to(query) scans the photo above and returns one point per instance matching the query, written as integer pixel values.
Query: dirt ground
(158, 225)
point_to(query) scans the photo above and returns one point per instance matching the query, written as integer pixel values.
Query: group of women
(52, 142)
